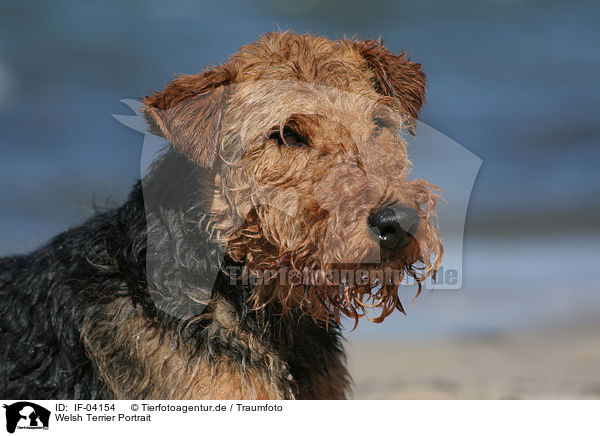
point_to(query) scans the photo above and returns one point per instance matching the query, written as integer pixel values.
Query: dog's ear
(395, 76)
(188, 113)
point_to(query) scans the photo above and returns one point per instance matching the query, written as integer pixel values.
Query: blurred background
(513, 81)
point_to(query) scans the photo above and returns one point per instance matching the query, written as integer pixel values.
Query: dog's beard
(357, 290)
(304, 279)
(303, 283)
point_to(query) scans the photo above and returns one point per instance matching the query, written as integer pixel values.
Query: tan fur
(137, 359)
(273, 206)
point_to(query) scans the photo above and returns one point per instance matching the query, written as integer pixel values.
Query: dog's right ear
(188, 114)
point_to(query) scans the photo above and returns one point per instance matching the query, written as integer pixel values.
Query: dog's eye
(291, 138)
(380, 124)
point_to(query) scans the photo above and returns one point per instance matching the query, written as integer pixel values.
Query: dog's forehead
(267, 102)
(349, 119)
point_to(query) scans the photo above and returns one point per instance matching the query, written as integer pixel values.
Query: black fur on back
(45, 296)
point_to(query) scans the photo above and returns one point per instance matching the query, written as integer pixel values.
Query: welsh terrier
(282, 207)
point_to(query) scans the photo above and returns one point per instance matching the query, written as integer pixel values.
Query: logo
(26, 415)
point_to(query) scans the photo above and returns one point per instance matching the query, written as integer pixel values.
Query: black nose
(394, 226)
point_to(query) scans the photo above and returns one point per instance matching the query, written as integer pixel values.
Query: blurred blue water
(508, 285)
(513, 81)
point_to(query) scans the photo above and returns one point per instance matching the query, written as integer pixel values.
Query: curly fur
(124, 306)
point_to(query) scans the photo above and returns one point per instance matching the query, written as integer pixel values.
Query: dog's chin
(327, 291)
(357, 290)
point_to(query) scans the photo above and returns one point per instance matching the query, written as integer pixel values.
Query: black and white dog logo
(26, 415)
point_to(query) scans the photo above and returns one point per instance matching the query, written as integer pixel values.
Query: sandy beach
(539, 363)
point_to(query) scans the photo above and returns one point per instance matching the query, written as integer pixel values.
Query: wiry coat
(79, 317)
(85, 294)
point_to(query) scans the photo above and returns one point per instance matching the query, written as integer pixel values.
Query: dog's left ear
(188, 114)
(395, 76)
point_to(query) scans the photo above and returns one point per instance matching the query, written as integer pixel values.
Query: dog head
(305, 172)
